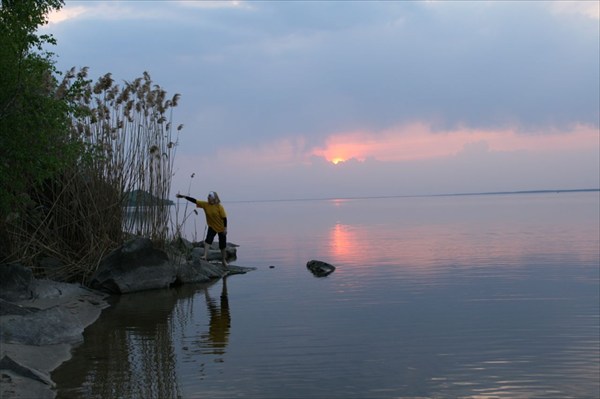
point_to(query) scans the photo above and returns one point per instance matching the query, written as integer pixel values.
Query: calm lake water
(490, 296)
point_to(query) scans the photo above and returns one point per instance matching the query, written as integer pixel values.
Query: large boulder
(135, 266)
(55, 325)
(319, 268)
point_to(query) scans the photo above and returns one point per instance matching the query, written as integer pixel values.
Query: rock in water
(320, 268)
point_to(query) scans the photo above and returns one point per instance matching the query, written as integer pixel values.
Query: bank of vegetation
(73, 150)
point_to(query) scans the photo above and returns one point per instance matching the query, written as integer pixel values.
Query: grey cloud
(313, 68)
(527, 68)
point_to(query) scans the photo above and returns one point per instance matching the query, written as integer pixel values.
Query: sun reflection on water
(344, 243)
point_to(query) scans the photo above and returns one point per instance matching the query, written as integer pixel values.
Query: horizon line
(544, 191)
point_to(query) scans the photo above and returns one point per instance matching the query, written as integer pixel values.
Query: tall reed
(128, 131)
(118, 186)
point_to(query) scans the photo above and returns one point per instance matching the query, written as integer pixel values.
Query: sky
(317, 99)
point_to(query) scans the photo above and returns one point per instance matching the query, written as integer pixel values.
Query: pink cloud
(412, 159)
(413, 142)
(418, 141)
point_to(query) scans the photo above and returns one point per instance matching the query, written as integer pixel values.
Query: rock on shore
(41, 320)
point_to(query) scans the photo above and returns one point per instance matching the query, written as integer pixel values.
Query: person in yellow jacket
(216, 219)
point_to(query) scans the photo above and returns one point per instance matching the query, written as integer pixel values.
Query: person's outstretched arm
(191, 199)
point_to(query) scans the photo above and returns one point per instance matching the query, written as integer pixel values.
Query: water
(492, 296)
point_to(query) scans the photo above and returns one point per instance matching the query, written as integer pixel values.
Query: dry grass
(128, 143)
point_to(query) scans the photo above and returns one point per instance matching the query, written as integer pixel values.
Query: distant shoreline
(558, 191)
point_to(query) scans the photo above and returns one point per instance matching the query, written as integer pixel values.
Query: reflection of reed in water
(128, 353)
(220, 321)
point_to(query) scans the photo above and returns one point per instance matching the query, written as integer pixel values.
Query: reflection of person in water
(220, 321)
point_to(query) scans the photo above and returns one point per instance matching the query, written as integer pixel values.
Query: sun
(337, 160)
